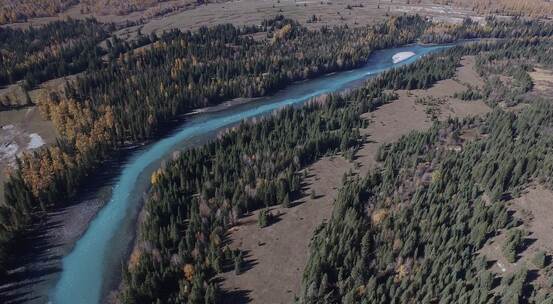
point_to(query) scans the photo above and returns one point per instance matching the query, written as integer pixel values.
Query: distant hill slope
(20, 10)
(532, 8)
(12, 11)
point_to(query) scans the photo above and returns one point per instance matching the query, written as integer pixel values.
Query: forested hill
(396, 236)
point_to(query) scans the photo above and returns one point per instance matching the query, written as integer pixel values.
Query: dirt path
(277, 255)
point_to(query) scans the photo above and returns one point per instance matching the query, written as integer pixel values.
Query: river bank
(55, 235)
(80, 228)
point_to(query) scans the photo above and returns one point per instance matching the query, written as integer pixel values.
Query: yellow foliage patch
(401, 273)
(436, 176)
(379, 215)
(155, 176)
(134, 259)
(188, 271)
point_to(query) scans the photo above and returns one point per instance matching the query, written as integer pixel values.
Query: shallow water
(94, 264)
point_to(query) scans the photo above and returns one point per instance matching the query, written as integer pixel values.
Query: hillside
(529, 8)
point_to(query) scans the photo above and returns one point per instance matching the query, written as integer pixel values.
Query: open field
(276, 255)
(188, 15)
(327, 13)
(533, 8)
(400, 117)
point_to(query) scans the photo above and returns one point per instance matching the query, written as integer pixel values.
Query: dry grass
(329, 13)
(400, 117)
(278, 253)
(543, 82)
(190, 16)
(533, 8)
(466, 74)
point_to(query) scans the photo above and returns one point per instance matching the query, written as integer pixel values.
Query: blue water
(90, 268)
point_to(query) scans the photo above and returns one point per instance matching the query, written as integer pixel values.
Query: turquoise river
(93, 266)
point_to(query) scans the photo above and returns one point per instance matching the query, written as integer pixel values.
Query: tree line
(57, 49)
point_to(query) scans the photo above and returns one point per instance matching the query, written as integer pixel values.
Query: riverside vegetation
(196, 197)
(126, 98)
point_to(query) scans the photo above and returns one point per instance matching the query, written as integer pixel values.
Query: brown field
(402, 116)
(276, 255)
(466, 74)
(533, 8)
(189, 16)
(350, 12)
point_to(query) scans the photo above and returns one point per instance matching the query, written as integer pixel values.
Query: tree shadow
(236, 296)
(548, 260)
(249, 263)
(526, 242)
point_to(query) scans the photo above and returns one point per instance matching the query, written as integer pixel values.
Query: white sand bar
(402, 56)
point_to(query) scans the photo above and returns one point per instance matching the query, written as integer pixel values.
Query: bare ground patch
(276, 255)
(387, 124)
(543, 82)
(466, 74)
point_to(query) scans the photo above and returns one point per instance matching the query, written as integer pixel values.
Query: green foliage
(238, 263)
(426, 248)
(539, 259)
(469, 94)
(57, 49)
(512, 244)
(265, 218)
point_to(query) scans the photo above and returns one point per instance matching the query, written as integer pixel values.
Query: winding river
(92, 268)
